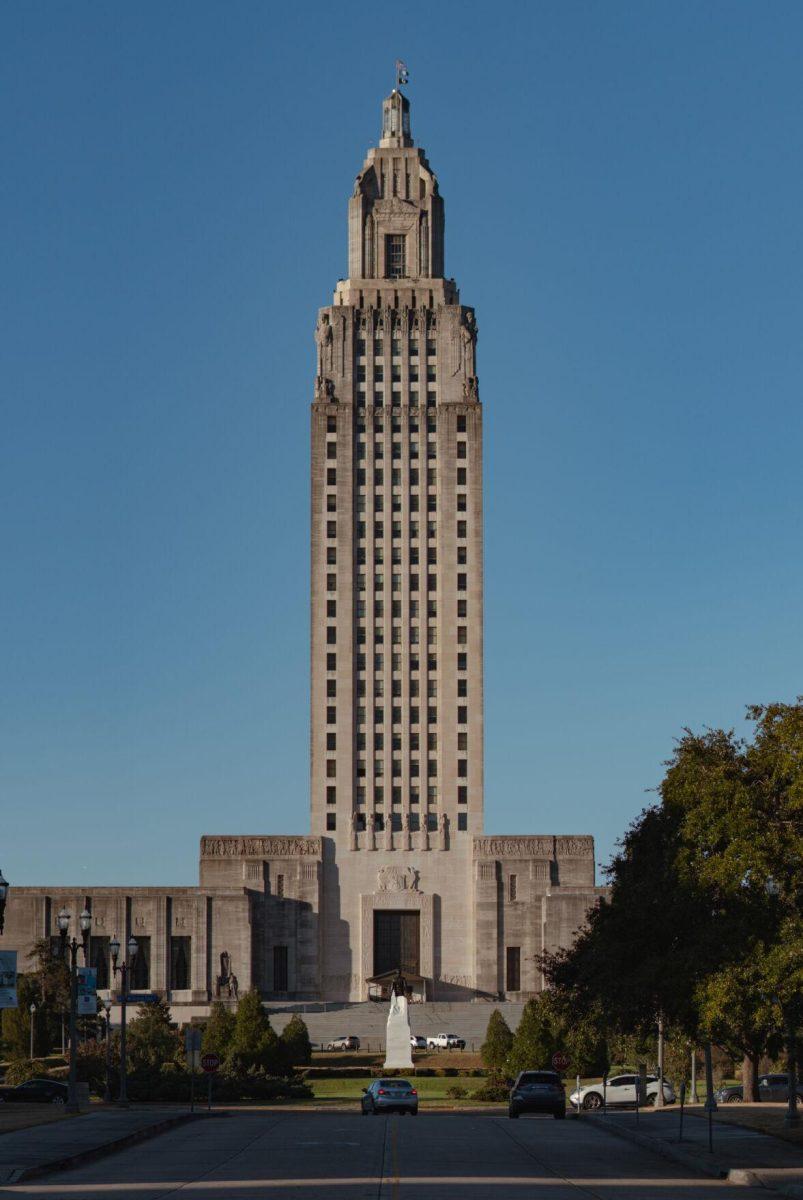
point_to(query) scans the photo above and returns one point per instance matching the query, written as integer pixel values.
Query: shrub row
(374, 1072)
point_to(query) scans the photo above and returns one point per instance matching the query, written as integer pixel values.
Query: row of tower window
(412, 556)
(377, 346)
(396, 742)
(413, 529)
(396, 504)
(396, 477)
(413, 795)
(396, 688)
(414, 766)
(411, 425)
(431, 822)
(431, 582)
(378, 741)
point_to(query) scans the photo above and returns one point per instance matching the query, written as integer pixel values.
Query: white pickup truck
(446, 1041)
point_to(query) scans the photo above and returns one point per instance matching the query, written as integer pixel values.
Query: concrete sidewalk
(739, 1155)
(39, 1149)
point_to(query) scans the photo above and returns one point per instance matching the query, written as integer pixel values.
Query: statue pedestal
(397, 1042)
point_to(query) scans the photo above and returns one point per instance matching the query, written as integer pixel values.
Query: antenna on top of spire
(402, 74)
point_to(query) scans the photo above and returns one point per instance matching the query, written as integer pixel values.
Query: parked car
(446, 1041)
(770, 1087)
(417, 1042)
(390, 1095)
(621, 1090)
(346, 1042)
(35, 1091)
(537, 1091)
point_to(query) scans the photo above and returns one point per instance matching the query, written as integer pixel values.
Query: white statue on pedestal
(397, 1042)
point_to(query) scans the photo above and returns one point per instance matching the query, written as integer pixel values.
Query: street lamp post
(123, 969)
(4, 885)
(32, 1011)
(85, 922)
(107, 1094)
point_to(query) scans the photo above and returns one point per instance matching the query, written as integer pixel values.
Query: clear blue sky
(624, 190)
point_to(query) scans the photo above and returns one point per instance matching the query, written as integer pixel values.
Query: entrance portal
(396, 941)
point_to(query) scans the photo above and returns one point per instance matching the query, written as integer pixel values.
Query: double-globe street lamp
(85, 923)
(124, 967)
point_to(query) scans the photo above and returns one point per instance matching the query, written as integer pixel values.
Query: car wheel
(57, 1100)
(513, 1114)
(561, 1115)
(413, 1112)
(650, 1101)
(592, 1100)
(733, 1099)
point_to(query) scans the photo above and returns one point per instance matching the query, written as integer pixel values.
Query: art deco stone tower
(397, 683)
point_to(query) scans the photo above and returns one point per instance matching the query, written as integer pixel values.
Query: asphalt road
(314, 1155)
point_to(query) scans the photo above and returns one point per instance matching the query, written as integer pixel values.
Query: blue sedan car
(390, 1095)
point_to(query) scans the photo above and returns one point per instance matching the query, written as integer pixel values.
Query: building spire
(396, 120)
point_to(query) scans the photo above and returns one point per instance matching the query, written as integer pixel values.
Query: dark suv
(539, 1092)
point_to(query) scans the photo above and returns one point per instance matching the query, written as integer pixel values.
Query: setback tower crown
(396, 215)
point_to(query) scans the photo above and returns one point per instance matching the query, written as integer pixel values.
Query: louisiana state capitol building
(396, 870)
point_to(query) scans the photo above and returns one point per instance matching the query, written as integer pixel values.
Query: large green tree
(151, 1040)
(219, 1030)
(254, 1045)
(295, 1043)
(706, 897)
(498, 1042)
(536, 1039)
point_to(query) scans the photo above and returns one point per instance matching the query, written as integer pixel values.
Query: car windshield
(538, 1077)
(396, 1083)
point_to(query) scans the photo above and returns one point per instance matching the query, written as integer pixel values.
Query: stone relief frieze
(514, 847)
(397, 879)
(259, 847)
(574, 847)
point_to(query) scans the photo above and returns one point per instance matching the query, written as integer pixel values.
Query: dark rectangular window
(513, 969)
(99, 959)
(331, 476)
(462, 821)
(512, 887)
(331, 822)
(462, 794)
(180, 963)
(394, 256)
(331, 795)
(280, 886)
(280, 980)
(461, 476)
(141, 972)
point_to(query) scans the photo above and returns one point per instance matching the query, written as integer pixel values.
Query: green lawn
(429, 1088)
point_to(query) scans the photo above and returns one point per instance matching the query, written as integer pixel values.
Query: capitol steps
(368, 1019)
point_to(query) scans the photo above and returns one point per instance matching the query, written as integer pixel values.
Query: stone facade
(397, 869)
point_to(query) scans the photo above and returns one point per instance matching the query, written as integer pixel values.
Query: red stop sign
(210, 1063)
(560, 1060)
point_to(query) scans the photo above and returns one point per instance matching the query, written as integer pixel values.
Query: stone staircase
(367, 1020)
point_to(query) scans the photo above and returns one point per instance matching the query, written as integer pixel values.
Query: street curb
(744, 1176)
(120, 1143)
(664, 1149)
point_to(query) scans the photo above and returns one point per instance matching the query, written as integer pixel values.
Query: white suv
(621, 1089)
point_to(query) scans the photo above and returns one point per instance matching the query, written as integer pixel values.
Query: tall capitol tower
(396, 871)
(397, 691)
